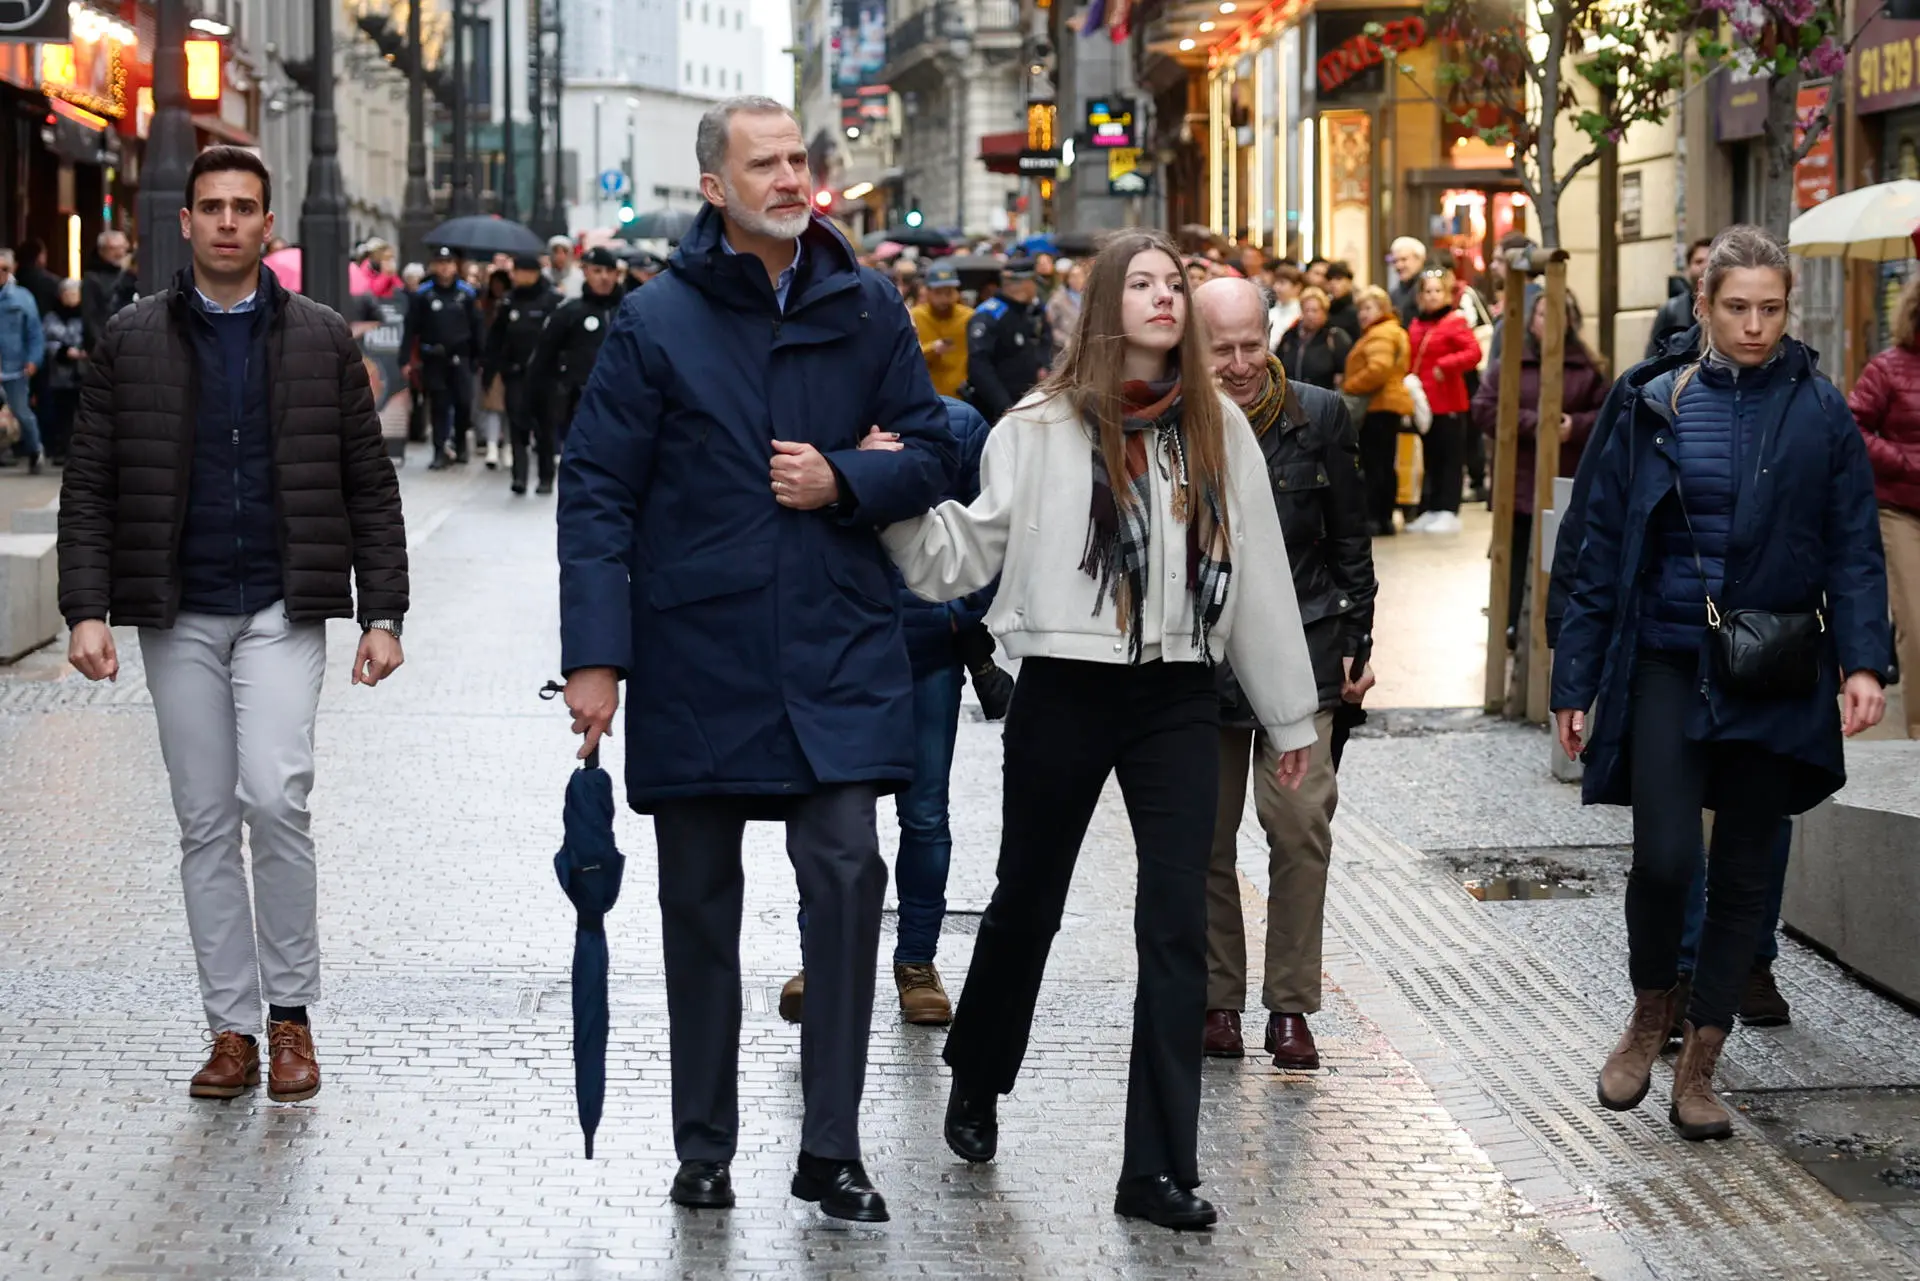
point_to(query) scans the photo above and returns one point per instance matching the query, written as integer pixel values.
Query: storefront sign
(1041, 156)
(1739, 106)
(1813, 176)
(1886, 66)
(1123, 173)
(1355, 58)
(90, 74)
(1110, 122)
(35, 20)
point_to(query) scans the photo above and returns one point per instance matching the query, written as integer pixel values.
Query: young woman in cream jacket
(1126, 509)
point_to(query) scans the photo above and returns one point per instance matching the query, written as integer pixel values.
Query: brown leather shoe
(1697, 1111)
(923, 998)
(1223, 1035)
(292, 1072)
(793, 997)
(231, 1069)
(1628, 1072)
(1290, 1041)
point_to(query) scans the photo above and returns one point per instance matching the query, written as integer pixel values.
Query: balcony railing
(934, 26)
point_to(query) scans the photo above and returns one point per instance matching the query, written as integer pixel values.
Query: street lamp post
(416, 213)
(323, 214)
(460, 194)
(536, 109)
(169, 154)
(509, 184)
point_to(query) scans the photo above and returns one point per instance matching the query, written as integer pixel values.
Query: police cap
(526, 262)
(599, 256)
(1017, 269)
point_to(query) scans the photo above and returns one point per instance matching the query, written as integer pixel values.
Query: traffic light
(915, 218)
(626, 211)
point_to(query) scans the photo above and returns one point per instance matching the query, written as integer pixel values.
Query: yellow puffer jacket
(1377, 366)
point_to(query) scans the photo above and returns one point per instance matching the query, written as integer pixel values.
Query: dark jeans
(452, 404)
(1672, 777)
(1446, 449)
(1379, 467)
(835, 849)
(1071, 725)
(530, 428)
(1769, 949)
(56, 427)
(926, 839)
(1522, 548)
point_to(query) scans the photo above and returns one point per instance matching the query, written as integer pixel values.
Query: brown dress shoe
(233, 1066)
(1290, 1041)
(1697, 1111)
(1223, 1035)
(923, 998)
(292, 1072)
(793, 997)
(1628, 1072)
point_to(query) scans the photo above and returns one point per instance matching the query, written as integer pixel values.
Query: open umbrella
(589, 866)
(1872, 224)
(483, 235)
(658, 224)
(918, 237)
(286, 267)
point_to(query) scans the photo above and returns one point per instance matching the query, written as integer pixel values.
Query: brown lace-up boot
(293, 1073)
(1628, 1071)
(1697, 1111)
(231, 1069)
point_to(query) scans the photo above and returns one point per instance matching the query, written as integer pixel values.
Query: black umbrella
(589, 866)
(919, 237)
(659, 224)
(483, 235)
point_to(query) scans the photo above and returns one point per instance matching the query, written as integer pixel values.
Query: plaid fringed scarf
(1265, 412)
(1118, 533)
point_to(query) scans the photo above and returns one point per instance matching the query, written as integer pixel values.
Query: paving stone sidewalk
(444, 1143)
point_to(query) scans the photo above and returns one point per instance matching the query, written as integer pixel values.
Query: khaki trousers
(1900, 531)
(1299, 829)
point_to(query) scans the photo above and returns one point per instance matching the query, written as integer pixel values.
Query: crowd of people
(801, 500)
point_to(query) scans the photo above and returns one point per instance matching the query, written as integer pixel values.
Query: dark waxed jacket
(1805, 535)
(123, 499)
(1313, 459)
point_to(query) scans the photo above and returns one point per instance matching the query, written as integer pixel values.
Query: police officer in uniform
(571, 340)
(518, 319)
(1009, 343)
(443, 318)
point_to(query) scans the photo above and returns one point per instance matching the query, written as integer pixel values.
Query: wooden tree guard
(1546, 466)
(1512, 339)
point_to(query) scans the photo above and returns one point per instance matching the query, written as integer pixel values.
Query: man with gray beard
(719, 552)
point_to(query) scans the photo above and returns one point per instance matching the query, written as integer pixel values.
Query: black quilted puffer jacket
(123, 500)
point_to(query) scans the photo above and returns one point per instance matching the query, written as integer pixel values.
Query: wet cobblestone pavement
(1450, 1133)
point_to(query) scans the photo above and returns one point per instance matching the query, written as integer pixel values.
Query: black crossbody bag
(1756, 652)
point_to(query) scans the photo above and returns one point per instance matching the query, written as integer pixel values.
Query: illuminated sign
(90, 74)
(1041, 157)
(203, 70)
(1110, 122)
(1364, 51)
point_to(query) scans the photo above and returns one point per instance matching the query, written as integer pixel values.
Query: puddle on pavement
(1863, 1145)
(1521, 889)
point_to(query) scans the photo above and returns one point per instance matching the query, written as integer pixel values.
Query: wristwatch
(389, 625)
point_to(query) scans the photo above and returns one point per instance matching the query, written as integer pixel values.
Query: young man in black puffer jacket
(226, 490)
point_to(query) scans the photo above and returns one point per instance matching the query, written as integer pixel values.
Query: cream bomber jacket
(1029, 526)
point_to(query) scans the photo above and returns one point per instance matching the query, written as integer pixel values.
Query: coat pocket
(707, 578)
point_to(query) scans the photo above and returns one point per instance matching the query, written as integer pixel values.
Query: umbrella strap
(592, 922)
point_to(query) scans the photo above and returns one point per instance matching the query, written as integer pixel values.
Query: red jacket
(1444, 350)
(1886, 403)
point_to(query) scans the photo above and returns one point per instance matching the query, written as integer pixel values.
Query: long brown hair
(1091, 376)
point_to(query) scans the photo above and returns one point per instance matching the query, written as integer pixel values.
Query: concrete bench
(1853, 885)
(38, 520)
(29, 594)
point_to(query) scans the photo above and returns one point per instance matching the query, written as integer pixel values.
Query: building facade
(957, 70)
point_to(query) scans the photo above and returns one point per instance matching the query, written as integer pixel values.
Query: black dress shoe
(973, 1127)
(1158, 1199)
(703, 1185)
(544, 487)
(519, 487)
(840, 1188)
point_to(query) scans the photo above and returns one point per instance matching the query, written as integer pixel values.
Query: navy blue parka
(1805, 536)
(761, 646)
(931, 627)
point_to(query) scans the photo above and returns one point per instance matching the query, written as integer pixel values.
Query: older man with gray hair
(719, 552)
(1409, 259)
(1313, 455)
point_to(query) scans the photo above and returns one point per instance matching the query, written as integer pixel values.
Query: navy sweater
(229, 548)
(1714, 434)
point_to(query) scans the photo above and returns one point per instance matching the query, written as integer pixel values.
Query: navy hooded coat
(761, 645)
(1805, 535)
